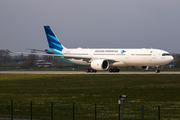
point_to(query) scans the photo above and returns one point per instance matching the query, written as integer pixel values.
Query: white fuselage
(123, 57)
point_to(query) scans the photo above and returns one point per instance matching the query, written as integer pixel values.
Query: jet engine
(140, 67)
(100, 64)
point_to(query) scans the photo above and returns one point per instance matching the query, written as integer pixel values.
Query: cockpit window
(166, 54)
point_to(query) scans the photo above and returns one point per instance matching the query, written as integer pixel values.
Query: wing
(34, 53)
(84, 58)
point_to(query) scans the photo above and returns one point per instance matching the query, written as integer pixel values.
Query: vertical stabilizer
(53, 41)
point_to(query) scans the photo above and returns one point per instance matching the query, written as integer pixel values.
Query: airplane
(103, 59)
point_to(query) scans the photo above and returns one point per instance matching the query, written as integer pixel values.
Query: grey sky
(91, 23)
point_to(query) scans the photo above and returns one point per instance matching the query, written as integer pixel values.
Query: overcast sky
(91, 23)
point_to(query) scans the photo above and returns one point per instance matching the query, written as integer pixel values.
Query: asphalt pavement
(81, 72)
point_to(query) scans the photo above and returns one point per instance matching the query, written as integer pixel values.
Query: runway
(80, 72)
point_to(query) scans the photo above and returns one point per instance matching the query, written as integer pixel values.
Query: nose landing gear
(157, 69)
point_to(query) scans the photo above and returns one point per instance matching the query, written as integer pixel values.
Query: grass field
(86, 90)
(141, 89)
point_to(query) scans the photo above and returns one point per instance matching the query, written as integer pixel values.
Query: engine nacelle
(140, 67)
(100, 64)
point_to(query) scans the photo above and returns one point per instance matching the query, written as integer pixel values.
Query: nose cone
(170, 59)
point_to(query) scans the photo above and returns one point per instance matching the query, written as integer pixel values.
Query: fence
(77, 111)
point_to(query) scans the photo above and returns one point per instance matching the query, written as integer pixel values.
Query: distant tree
(32, 59)
(177, 61)
(21, 57)
(177, 56)
(4, 56)
(58, 62)
(48, 58)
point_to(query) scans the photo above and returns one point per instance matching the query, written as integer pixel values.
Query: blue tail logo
(52, 39)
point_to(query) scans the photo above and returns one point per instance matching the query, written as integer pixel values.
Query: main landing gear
(111, 70)
(157, 69)
(114, 70)
(91, 70)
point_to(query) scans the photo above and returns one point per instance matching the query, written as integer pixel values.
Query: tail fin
(53, 41)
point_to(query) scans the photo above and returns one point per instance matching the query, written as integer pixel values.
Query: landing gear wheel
(91, 70)
(87, 70)
(114, 70)
(157, 71)
(110, 70)
(117, 70)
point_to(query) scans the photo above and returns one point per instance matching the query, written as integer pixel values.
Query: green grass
(63, 90)
(155, 89)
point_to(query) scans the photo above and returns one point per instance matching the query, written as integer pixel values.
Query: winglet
(11, 51)
(8, 50)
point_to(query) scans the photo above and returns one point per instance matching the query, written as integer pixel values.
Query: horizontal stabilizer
(35, 50)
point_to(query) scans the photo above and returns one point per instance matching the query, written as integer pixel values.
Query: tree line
(6, 59)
